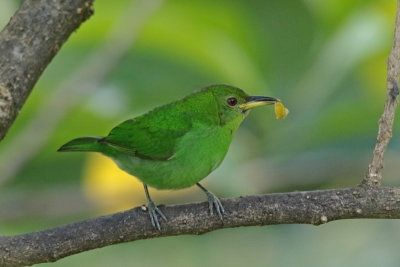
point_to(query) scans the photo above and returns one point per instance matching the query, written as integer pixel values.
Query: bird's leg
(153, 210)
(213, 201)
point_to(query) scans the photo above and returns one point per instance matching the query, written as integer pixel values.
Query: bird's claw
(213, 201)
(153, 211)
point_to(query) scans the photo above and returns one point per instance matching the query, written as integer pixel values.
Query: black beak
(254, 98)
(258, 101)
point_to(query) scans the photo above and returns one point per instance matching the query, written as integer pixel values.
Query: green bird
(176, 145)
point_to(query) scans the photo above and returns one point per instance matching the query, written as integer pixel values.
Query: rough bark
(374, 173)
(28, 43)
(82, 82)
(315, 207)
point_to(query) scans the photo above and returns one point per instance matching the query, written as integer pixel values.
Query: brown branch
(374, 174)
(315, 207)
(76, 88)
(28, 43)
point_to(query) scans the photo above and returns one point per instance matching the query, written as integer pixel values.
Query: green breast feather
(178, 144)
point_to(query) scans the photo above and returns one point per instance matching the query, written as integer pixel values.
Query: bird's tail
(86, 143)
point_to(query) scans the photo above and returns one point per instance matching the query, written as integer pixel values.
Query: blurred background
(326, 60)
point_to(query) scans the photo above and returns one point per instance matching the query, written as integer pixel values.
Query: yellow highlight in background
(111, 189)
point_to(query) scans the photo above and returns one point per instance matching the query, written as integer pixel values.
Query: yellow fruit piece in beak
(280, 110)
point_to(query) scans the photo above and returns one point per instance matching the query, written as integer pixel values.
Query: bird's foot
(154, 211)
(213, 201)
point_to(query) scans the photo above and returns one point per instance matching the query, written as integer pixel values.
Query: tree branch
(374, 174)
(315, 207)
(82, 82)
(28, 43)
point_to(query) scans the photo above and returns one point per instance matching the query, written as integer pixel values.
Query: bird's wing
(150, 136)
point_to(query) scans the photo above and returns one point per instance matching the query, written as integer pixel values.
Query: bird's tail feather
(86, 143)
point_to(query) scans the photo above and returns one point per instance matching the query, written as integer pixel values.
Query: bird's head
(233, 103)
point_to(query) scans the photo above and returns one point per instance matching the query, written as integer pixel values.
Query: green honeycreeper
(176, 145)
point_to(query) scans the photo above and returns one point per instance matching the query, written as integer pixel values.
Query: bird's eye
(232, 101)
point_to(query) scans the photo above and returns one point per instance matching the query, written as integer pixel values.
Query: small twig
(78, 86)
(374, 174)
(315, 207)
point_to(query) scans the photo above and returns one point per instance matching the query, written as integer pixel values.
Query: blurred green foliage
(324, 59)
